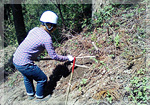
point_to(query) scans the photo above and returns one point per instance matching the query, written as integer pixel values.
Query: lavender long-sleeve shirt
(36, 41)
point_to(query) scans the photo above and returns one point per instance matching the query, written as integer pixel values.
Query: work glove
(70, 58)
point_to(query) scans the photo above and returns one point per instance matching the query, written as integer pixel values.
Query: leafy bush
(103, 15)
(73, 15)
(139, 90)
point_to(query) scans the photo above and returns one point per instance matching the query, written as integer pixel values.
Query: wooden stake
(68, 89)
(70, 80)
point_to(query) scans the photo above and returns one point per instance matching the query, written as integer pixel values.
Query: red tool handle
(73, 64)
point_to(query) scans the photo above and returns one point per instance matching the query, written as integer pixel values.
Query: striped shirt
(36, 41)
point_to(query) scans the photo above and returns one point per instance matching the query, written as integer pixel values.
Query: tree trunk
(19, 22)
(58, 6)
(97, 5)
(1, 28)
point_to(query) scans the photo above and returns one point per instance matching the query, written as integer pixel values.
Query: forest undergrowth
(118, 74)
(119, 70)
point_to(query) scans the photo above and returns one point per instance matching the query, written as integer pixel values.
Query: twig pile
(120, 54)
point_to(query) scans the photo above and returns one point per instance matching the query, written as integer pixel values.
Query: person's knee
(43, 80)
(45, 77)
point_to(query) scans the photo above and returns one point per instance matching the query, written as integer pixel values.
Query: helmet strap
(49, 29)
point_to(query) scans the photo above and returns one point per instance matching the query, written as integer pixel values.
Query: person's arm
(50, 49)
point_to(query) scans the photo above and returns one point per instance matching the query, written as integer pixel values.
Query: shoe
(31, 97)
(43, 99)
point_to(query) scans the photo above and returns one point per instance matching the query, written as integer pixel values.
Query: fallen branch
(95, 46)
(76, 58)
(82, 66)
(85, 57)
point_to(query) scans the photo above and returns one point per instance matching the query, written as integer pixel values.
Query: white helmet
(49, 17)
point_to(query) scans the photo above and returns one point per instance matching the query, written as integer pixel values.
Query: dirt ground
(88, 85)
(13, 90)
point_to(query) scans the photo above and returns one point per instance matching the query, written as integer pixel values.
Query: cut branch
(82, 66)
(85, 57)
(95, 46)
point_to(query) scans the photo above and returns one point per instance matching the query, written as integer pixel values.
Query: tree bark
(19, 22)
(58, 6)
(97, 5)
(1, 28)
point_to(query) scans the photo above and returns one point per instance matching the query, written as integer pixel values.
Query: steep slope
(118, 75)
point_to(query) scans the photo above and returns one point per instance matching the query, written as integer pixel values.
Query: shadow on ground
(58, 72)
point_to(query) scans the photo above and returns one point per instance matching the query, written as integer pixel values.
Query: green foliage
(9, 34)
(9, 28)
(74, 15)
(139, 88)
(109, 97)
(82, 83)
(33, 12)
(12, 80)
(96, 61)
(116, 39)
(103, 15)
(43, 54)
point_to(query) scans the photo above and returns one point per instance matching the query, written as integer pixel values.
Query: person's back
(31, 47)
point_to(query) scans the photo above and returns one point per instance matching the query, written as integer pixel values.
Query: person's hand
(70, 58)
